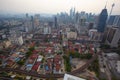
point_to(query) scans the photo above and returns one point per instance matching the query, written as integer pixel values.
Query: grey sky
(56, 6)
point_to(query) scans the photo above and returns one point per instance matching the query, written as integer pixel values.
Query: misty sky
(56, 6)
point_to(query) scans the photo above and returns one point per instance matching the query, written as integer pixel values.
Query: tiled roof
(35, 66)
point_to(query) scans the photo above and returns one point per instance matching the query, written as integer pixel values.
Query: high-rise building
(111, 20)
(46, 29)
(91, 25)
(113, 36)
(72, 12)
(27, 15)
(91, 34)
(28, 25)
(32, 22)
(112, 31)
(77, 17)
(16, 38)
(36, 21)
(82, 21)
(51, 24)
(102, 20)
(114, 20)
(55, 22)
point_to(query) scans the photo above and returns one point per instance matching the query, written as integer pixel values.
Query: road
(107, 71)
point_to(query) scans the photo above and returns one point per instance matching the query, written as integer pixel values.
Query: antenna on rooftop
(106, 4)
(112, 9)
(112, 6)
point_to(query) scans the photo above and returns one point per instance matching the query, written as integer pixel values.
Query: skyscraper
(72, 13)
(36, 21)
(102, 20)
(28, 25)
(111, 20)
(55, 22)
(32, 21)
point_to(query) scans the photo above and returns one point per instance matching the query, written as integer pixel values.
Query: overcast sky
(56, 6)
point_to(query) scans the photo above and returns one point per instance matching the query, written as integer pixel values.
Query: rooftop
(71, 77)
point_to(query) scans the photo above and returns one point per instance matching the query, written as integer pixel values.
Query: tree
(31, 48)
(28, 53)
(4, 73)
(94, 67)
(19, 78)
(88, 56)
(26, 41)
(104, 46)
(43, 60)
(21, 62)
(82, 56)
(46, 40)
(41, 53)
(67, 63)
(114, 78)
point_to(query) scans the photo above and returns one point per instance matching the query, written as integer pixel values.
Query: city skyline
(56, 6)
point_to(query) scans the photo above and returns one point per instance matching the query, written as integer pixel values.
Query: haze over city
(56, 6)
(59, 40)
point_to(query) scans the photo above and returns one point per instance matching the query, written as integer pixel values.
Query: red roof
(1, 57)
(77, 46)
(10, 62)
(57, 67)
(33, 56)
(36, 65)
(91, 45)
(50, 60)
(56, 61)
(49, 48)
(91, 51)
(57, 56)
(33, 43)
(80, 50)
(35, 51)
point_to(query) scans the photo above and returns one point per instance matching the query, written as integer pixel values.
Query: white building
(20, 40)
(16, 39)
(47, 30)
(92, 32)
(112, 56)
(95, 35)
(28, 24)
(36, 21)
(71, 35)
(67, 29)
(113, 30)
(39, 58)
(113, 36)
(7, 44)
(71, 77)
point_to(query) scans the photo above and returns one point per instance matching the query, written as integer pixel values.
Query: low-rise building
(72, 35)
(57, 64)
(7, 44)
(112, 56)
